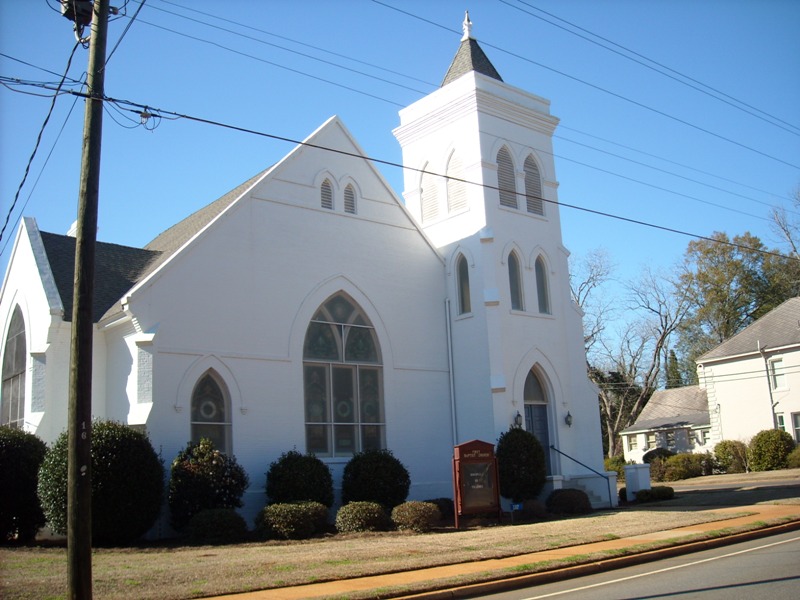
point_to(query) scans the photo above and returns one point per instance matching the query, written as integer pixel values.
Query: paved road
(766, 568)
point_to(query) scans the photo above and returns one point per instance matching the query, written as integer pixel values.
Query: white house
(312, 308)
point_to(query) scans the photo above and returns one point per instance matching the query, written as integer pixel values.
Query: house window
(633, 442)
(705, 436)
(430, 197)
(542, 287)
(506, 179)
(464, 303)
(651, 441)
(211, 412)
(342, 381)
(456, 188)
(533, 187)
(796, 426)
(781, 422)
(514, 282)
(536, 414)
(326, 195)
(349, 200)
(12, 402)
(671, 440)
(776, 375)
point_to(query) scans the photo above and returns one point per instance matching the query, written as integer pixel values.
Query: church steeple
(470, 57)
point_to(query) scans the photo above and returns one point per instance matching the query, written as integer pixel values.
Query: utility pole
(79, 474)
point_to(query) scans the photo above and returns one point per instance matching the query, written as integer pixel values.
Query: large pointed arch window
(462, 277)
(515, 282)
(211, 412)
(542, 288)
(12, 402)
(342, 381)
(506, 179)
(456, 188)
(533, 187)
(536, 413)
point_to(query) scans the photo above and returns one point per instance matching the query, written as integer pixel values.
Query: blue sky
(633, 143)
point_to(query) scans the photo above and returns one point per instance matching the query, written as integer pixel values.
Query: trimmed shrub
(416, 516)
(362, 516)
(520, 465)
(296, 521)
(655, 453)
(731, 456)
(656, 493)
(793, 460)
(616, 463)
(375, 476)
(446, 507)
(568, 501)
(127, 484)
(623, 495)
(295, 477)
(770, 449)
(216, 526)
(202, 478)
(658, 469)
(21, 455)
(685, 466)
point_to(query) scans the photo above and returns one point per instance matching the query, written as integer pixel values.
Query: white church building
(311, 307)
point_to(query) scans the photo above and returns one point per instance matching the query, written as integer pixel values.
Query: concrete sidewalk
(448, 581)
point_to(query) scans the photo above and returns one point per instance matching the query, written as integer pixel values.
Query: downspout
(454, 425)
(763, 353)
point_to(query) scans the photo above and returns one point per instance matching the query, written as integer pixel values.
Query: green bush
(616, 463)
(295, 521)
(446, 507)
(623, 495)
(216, 526)
(375, 476)
(295, 477)
(416, 516)
(685, 466)
(656, 493)
(793, 460)
(568, 501)
(127, 484)
(201, 478)
(362, 516)
(521, 465)
(21, 455)
(655, 453)
(658, 468)
(731, 456)
(770, 449)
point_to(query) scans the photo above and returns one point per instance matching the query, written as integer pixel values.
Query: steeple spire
(469, 57)
(467, 26)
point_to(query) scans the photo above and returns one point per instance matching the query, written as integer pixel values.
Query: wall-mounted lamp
(517, 421)
(568, 419)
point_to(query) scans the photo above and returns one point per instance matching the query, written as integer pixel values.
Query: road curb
(559, 574)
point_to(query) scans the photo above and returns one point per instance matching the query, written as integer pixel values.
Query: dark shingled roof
(779, 327)
(673, 408)
(117, 269)
(470, 57)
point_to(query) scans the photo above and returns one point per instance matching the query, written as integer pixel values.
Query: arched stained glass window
(211, 412)
(464, 302)
(515, 282)
(12, 402)
(533, 187)
(542, 288)
(506, 179)
(343, 381)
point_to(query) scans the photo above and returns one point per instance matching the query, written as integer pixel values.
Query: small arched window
(506, 179)
(12, 403)
(533, 187)
(326, 195)
(211, 412)
(542, 291)
(456, 188)
(342, 381)
(464, 302)
(515, 282)
(430, 197)
(349, 199)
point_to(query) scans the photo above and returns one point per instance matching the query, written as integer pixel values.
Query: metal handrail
(606, 477)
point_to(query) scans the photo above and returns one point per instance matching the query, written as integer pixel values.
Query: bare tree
(784, 226)
(587, 277)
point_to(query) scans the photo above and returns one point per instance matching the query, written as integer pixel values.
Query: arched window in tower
(342, 381)
(350, 199)
(430, 197)
(542, 287)
(326, 195)
(456, 188)
(536, 417)
(506, 179)
(462, 270)
(12, 402)
(515, 282)
(211, 412)
(533, 187)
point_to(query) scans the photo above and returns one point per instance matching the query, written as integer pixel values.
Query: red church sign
(475, 479)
